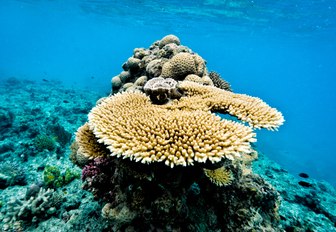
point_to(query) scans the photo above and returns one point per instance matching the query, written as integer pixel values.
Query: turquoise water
(283, 51)
(57, 59)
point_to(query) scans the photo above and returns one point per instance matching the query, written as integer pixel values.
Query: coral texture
(88, 147)
(132, 127)
(182, 65)
(249, 109)
(205, 80)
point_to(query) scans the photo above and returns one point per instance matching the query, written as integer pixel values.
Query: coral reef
(166, 199)
(143, 188)
(302, 208)
(145, 151)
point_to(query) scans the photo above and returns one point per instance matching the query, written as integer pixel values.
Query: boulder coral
(167, 163)
(164, 58)
(183, 64)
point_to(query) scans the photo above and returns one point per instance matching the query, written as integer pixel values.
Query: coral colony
(158, 156)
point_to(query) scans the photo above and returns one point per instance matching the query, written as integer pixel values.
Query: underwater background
(281, 51)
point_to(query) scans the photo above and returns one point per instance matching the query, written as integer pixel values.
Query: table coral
(147, 133)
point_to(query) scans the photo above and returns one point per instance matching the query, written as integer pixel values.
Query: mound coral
(169, 39)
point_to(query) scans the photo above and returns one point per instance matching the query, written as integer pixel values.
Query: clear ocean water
(57, 58)
(282, 51)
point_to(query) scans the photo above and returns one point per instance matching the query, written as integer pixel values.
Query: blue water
(281, 51)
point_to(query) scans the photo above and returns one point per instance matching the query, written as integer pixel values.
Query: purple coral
(97, 175)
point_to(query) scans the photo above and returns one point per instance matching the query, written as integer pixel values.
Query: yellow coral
(182, 64)
(132, 127)
(220, 176)
(87, 145)
(249, 109)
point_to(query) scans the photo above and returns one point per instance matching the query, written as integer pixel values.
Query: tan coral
(194, 78)
(124, 76)
(128, 86)
(182, 64)
(76, 157)
(141, 81)
(87, 145)
(205, 80)
(249, 109)
(220, 176)
(169, 39)
(116, 82)
(132, 127)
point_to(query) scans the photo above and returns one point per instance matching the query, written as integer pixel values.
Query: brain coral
(182, 64)
(131, 126)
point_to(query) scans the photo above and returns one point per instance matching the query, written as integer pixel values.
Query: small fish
(305, 184)
(303, 175)
(45, 80)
